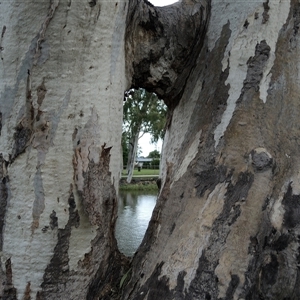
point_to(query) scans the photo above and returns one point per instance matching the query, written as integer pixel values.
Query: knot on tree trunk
(261, 159)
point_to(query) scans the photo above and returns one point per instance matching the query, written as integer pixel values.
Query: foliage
(154, 154)
(139, 187)
(155, 163)
(124, 147)
(124, 277)
(143, 112)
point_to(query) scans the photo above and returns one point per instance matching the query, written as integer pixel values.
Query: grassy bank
(143, 172)
(138, 185)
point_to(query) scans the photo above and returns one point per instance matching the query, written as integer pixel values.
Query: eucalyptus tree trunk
(227, 220)
(62, 85)
(133, 146)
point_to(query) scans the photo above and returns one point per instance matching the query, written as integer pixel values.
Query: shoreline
(138, 184)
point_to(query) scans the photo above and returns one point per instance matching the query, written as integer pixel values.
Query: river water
(135, 210)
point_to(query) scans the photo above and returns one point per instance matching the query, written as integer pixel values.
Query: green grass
(142, 172)
(138, 187)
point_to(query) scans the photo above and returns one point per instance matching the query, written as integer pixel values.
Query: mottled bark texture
(226, 223)
(62, 85)
(227, 220)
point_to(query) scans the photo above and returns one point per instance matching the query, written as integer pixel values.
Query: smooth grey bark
(133, 145)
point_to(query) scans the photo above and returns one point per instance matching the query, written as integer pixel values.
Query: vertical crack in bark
(266, 15)
(99, 201)
(39, 201)
(41, 35)
(1, 41)
(9, 291)
(23, 130)
(256, 67)
(3, 196)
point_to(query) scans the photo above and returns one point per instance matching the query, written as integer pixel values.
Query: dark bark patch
(39, 201)
(27, 292)
(159, 287)
(180, 285)
(57, 272)
(172, 228)
(3, 197)
(256, 66)
(232, 286)
(92, 3)
(53, 220)
(204, 285)
(41, 93)
(152, 23)
(281, 243)
(296, 27)
(261, 160)
(0, 122)
(266, 15)
(22, 137)
(246, 24)
(253, 246)
(9, 291)
(292, 209)
(234, 214)
(208, 179)
(269, 272)
(152, 28)
(106, 283)
(239, 191)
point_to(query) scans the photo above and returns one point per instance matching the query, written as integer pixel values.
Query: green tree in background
(154, 154)
(143, 113)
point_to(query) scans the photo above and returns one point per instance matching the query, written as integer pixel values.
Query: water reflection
(135, 210)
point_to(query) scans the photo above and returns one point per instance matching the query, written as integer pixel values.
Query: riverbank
(139, 184)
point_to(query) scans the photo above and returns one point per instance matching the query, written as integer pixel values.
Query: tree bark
(226, 224)
(62, 85)
(132, 155)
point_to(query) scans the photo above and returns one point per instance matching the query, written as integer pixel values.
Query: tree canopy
(143, 113)
(154, 154)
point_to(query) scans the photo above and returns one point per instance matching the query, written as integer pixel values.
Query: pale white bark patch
(192, 151)
(174, 136)
(187, 248)
(234, 257)
(81, 237)
(241, 46)
(277, 213)
(29, 252)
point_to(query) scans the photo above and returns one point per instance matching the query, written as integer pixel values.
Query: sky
(144, 143)
(162, 2)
